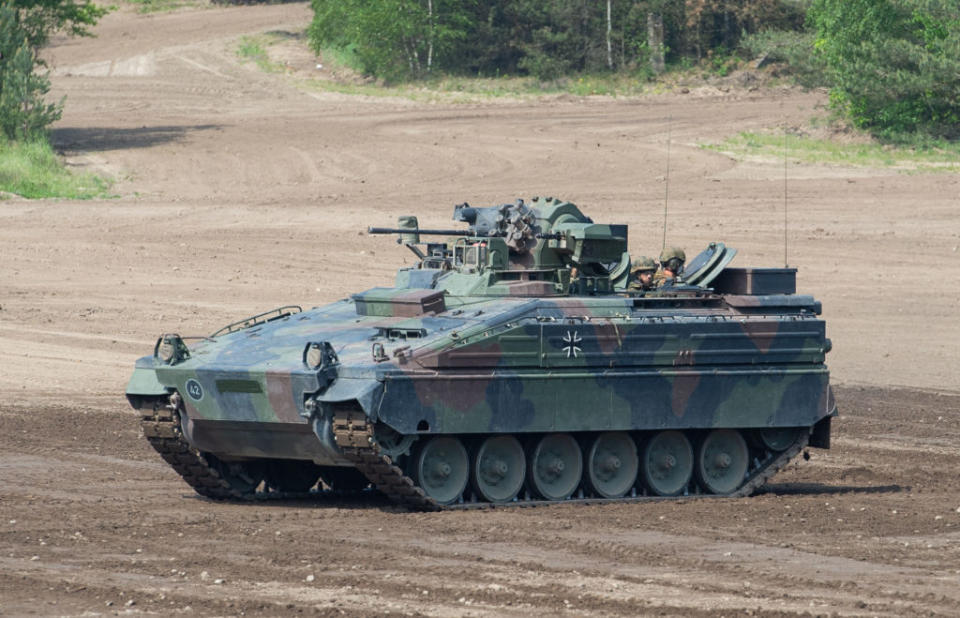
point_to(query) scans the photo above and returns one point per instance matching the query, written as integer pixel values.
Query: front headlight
(170, 349)
(318, 355)
(166, 351)
(314, 356)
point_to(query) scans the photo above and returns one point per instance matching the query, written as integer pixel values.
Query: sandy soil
(239, 191)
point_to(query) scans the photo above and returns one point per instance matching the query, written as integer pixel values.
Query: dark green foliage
(23, 113)
(402, 39)
(894, 66)
(40, 18)
(794, 49)
(392, 39)
(25, 26)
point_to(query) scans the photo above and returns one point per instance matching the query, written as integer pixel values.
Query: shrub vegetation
(25, 27)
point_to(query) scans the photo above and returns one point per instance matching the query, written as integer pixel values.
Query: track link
(160, 421)
(353, 433)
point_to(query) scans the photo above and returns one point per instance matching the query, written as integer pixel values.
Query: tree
(895, 66)
(23, 113)
(25, 26)
(41, 18)
(392, 39)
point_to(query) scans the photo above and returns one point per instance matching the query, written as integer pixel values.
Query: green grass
(457, 89)
(930, 157)
(253, 48)
(159, 6)
(32, 170)
(342, 57)
(443, 88)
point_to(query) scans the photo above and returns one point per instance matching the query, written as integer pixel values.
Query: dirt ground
(239, 191)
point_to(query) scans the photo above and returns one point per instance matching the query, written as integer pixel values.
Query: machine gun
(548, 239)
(516, 223)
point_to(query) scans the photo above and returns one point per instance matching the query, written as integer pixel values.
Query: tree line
(893, 66)
(409, 39)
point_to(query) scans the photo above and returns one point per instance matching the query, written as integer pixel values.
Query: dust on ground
(239, 191)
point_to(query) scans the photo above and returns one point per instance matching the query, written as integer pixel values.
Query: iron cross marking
(572, 339)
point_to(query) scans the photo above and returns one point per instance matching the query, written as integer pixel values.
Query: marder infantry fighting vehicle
(510, 365)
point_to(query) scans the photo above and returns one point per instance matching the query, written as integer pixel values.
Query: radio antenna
(785, 264)
(666, 184)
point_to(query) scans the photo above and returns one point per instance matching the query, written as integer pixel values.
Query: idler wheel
(499, 468)
(722, 461)
(391, 442)
(612, 464)
(442, 469)
(667, 463)
(555, 466)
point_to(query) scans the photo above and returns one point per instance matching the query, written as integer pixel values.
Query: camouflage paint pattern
(498, 344)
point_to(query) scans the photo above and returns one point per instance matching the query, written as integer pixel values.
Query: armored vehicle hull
(498, 374)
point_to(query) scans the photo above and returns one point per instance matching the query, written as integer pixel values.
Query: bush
(792, 48)
(894, 66)
(31, 169)
(543, 58)
(392, 39)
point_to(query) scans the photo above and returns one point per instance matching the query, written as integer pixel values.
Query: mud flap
(144, 382)
(366, 392)
(820, 436)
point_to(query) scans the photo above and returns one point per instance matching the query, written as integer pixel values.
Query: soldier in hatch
(671, 266)
(641, 275)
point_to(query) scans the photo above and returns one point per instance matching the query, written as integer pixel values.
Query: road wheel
(499, 468)
(612, 464)
(442, 468)
(554, 466)
(667, 463)
(722, 461)
(778, 439)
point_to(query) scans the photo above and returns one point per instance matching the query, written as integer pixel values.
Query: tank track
(353, 433)
(160, 421)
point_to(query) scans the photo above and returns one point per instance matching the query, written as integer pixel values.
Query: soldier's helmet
(643, 264)
(671, 253)
(672, 259)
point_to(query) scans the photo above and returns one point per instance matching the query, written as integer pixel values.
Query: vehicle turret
(517, 249)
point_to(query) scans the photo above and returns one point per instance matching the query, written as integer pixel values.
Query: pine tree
(23, 113)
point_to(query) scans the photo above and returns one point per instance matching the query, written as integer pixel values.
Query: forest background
(892, 66)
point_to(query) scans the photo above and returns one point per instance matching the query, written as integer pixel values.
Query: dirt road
(240, 190)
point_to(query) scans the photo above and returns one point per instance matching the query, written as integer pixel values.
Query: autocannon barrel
(467, 232)
(394, 230)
